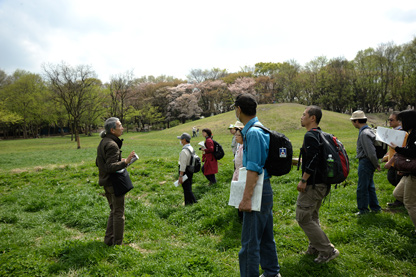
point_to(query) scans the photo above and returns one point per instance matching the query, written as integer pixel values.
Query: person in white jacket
(184, 160)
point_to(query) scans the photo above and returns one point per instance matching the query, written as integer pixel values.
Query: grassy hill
(53, 213)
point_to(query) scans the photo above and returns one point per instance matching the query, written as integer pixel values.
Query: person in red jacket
(210, 167)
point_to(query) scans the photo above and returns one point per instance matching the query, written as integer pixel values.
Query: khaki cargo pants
(307, 216)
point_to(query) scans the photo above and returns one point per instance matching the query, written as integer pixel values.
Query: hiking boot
(311, 251)
(324, 259)
(277, 275)
(395, 204)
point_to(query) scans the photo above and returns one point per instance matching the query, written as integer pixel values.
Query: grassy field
(53, 213)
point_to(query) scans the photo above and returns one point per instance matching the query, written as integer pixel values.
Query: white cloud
(172, 37)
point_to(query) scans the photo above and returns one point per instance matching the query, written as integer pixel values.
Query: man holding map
(257, 239)
(392, 175)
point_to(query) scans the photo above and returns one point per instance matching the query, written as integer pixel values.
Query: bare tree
(121, 87)
(73, 88)
(199, 75)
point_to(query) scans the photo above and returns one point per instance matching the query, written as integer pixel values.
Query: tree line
(72, 98)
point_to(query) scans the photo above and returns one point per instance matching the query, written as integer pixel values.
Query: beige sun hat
(358, 115)
(238, 124)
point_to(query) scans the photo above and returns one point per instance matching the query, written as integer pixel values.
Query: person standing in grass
(184, 161)
(238, 158)
(368, 163)
(109, 161)
(210, 167)
(233, 143)
(257, 239)
(312, 190)
(392, 175)
(405, 191)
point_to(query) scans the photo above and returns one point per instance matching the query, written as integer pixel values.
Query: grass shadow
(76, 255)
(374, 219)
(305, 266)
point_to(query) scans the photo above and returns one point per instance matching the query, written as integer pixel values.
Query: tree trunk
(77, 135)
(24, 130)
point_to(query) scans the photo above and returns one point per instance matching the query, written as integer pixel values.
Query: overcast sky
(171, 37)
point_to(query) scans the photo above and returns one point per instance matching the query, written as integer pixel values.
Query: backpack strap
(192, 155)
(328, 186)
(320, 138)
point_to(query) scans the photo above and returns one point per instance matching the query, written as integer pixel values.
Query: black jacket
(312, 156)
(410, 149)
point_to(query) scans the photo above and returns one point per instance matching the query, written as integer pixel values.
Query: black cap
(245, 100)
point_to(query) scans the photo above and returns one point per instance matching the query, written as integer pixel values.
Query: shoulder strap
(321, 143)
(192, 155)
(261, 127)
(321, 136)
(190, 151)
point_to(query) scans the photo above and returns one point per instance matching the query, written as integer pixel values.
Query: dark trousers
(187, 189)
(393, 177)
(211, 178)
(115, 223)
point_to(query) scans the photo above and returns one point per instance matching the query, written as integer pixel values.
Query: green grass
(53, 213)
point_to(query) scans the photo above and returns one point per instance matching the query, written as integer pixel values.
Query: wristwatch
(304, 181)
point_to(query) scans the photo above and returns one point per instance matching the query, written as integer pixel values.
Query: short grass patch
(53, 212)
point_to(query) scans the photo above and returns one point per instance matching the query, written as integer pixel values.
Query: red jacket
(210, 163)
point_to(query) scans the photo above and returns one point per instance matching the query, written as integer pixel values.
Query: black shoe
(395, 204)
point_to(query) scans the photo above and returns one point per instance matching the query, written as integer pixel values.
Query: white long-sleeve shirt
(185, 157)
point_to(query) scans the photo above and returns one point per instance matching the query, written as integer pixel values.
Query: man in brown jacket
(109, 161)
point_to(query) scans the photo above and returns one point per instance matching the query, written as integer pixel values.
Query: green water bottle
(330, 164)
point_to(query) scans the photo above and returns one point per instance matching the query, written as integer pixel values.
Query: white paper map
(389, 136)
(237, 191)
(184, 178)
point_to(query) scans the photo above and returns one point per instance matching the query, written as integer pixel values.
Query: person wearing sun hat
(368, 163)
(233, 128)
(238, 156)
(233, 143)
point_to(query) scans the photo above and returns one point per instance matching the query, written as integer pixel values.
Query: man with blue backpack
(313, 187)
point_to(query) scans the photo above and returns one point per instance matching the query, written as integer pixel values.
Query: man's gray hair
(110, 123)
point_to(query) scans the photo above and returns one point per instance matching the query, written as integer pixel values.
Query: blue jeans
(257, 240)
(366, 190)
